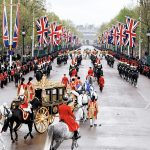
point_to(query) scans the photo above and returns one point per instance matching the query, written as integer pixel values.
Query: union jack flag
(55, 33)
(16, 30)
(106, 36)
(121, 34)
(131, 25)
(42, 30)
(68, 36)
(5, 29)
(114, 35)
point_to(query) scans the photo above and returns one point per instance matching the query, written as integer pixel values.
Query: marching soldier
(65, 80)
(92, 111)
(2, 79)
(90, 71)
(101, 83)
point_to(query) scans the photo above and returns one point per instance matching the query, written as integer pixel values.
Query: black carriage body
(51, 98)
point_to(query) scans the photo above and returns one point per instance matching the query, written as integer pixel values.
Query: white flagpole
(121, 48)
(140, 37)
(33, 36)
(10, 44)
(128, 50)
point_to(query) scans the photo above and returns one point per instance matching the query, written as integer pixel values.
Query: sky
(88, 11)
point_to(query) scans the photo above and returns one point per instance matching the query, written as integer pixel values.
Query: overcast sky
(88, 11)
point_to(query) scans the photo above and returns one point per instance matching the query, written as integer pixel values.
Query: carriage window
(60, 91)
(47, 92)
(54, 91)
(54, 95)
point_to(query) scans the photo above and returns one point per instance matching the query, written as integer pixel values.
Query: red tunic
(101, 81)
(1, 77)
(74, 72)
(25, 104)
(90, 72)
(73, 85)
(65, 81)
(66, 115)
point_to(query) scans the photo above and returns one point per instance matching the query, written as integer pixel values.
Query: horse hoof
(13, 141)
(32, 136)
(16, 139)
(25, 137)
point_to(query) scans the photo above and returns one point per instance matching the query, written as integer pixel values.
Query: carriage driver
(66, 115)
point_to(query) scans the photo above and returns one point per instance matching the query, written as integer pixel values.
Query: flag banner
(121, 34)
(131, 25)
(114, 35)
(68, 37)
(74, 39)
(5, 28)
(16, 29)
(55, 32)
(42, 30)
(102, 39)
(106, 36)
(110, 36)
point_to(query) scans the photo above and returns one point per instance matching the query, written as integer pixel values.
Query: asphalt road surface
(124, 114)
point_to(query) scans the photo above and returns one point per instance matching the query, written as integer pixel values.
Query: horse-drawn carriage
(51, 95)
(48, 95)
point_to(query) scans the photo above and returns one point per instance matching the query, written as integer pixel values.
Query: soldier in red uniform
(65, 80)
(73, 84)
(66, 115)
(1, 79)
(74, 72)
(101, 83)
(90, 72)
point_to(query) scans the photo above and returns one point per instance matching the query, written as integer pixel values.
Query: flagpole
(10, 44)
(140, 37)
(121, 48)
(33, 36)
(128, 50)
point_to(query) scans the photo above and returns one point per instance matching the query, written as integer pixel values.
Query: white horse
(78, 111)
(59, 132)
(85, 100)
(93, 93)
(3, 114)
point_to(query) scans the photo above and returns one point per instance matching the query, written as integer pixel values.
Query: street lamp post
(23, 36)
(148, 39)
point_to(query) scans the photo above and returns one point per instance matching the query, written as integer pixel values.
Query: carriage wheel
(41, 121)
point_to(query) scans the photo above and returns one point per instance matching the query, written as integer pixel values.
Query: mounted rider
(66, 115)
